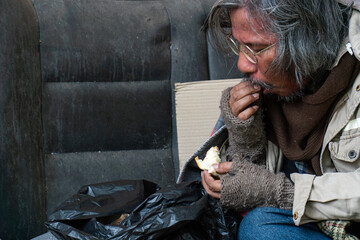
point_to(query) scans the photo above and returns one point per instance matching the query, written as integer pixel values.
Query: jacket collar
(351, 43)
(348, 2)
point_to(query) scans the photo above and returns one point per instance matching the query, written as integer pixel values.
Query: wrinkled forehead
(241, 18)
(244, 21)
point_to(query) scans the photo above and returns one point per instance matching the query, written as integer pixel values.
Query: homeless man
(294, 123)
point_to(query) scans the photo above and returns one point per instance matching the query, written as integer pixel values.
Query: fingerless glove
(246, 137)
(248, 185)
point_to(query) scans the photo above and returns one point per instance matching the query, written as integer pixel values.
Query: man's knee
(274, 223)
(265, 222)
(252, 223)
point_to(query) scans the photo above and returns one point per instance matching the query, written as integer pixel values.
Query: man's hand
(251, 185)
(211, 185)
(241, 96)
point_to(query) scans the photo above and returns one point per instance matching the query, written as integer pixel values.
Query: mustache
(262, 84)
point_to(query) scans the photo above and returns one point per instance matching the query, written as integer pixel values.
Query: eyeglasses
(245, 49)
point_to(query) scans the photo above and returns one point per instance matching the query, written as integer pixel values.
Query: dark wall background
(87, 97)
(22, 181)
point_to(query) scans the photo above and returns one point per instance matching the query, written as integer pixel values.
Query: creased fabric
(298, 127)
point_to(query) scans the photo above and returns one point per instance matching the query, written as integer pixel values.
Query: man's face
(254, 36)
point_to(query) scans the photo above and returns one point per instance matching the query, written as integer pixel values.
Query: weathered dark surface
(94, 101)
(22, 182)
(83, 116)
(106, 70)
(104, 41)
(65, 176)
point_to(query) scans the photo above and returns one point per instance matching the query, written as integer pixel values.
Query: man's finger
(223, 167)
(242, 105)
(247, 113)
(214, 195)
(238, 92)
(211, 186)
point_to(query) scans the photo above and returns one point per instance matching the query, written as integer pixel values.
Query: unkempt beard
(291, 98)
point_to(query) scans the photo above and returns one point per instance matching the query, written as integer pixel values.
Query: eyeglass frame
(240, 48)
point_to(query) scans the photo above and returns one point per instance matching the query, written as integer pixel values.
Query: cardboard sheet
(197, 111)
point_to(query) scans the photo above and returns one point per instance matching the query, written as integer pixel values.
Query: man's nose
(244, 65)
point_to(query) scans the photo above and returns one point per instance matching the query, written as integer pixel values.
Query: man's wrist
(286, 195)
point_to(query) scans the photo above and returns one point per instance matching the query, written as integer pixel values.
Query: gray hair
(309, 32)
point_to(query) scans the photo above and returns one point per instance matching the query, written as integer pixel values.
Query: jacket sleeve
(330, 196)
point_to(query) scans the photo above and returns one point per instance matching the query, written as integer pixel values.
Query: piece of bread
(212, 157)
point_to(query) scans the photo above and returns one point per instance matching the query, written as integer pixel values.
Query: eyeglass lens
(248, 53)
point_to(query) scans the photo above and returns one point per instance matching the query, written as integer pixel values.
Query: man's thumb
(223, 167)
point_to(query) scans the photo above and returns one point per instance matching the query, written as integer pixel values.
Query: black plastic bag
(180, 211)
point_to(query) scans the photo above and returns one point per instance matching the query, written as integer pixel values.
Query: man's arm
(237, 111)
(243, 117)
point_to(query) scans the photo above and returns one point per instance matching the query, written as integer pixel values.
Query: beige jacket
(335, 194)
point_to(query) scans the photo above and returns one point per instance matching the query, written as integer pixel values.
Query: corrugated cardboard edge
(197, 110)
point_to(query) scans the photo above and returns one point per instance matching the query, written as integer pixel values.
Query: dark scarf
(298, 128)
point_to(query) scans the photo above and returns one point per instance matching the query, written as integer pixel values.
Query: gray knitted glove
(246, 137)
(248, 185)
